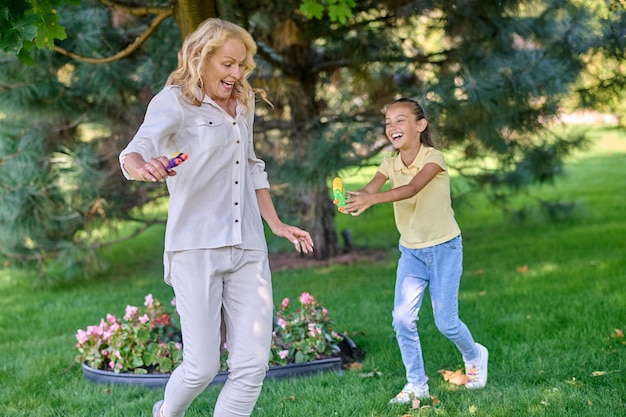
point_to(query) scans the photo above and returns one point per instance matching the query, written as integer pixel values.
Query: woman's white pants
(208, 283)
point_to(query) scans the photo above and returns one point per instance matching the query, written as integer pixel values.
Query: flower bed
(145, 340)
(303, 333)
(148, 341)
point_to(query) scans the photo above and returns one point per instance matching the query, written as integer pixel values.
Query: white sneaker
(476, 372)
(404, 396)
(156, 409)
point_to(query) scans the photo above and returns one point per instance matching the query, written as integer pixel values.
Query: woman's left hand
(301, 239)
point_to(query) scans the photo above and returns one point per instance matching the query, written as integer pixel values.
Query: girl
(430, 245)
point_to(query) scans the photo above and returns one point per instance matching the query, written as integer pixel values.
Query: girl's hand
(357, 202)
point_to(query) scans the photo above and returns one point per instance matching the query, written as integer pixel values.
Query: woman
(215, 250)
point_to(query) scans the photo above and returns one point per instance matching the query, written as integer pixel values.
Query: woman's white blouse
(212, 199)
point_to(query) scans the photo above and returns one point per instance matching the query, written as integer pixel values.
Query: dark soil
(294, 260)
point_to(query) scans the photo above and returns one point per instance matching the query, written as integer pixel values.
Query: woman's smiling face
(223, 69)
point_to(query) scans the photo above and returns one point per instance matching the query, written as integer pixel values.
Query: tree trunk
(190, 13)
(318, 213)
(326, 222)
(316, 207)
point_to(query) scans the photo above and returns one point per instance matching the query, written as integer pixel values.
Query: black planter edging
(348, 352)
(100, 376)
(159, 380)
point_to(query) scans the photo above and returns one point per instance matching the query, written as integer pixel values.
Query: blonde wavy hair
(201, 45)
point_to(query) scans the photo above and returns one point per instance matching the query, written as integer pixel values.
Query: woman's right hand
(151, 171)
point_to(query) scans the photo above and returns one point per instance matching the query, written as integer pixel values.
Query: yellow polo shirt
(426, 219)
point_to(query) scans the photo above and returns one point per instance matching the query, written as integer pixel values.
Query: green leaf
(148, 358)
(177, 355)
(48, 29)
(143, 335)
(137, 361)
(18, 32)
(312, 9)
(165, 364)
(340, 12)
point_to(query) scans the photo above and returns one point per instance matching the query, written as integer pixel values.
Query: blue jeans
(439, 266)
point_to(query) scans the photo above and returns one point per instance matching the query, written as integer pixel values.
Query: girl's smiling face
(402, 127)
(223, 69)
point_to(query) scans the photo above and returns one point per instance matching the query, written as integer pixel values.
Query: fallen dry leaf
(355, 366)
(456, 377)
(618, 334)
(598, 373)
(522, 269)
(436, 400)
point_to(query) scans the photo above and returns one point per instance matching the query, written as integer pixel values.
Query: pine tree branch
(165, 13)
(4, 86)
(135, 10)
(23, 257)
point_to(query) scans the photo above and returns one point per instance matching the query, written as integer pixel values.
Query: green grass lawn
(544, 297)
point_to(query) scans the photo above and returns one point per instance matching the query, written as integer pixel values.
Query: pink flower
(111, 318)
(81, 336)
(148, 300)
(281, 323)
(306, 298)
(131, 311)
(314, 331)
(111, 364)
(103, 325)
(285, 303)
(103, 352)
(173, 302)
(283, 353)
(144, 319)
(94, 330)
